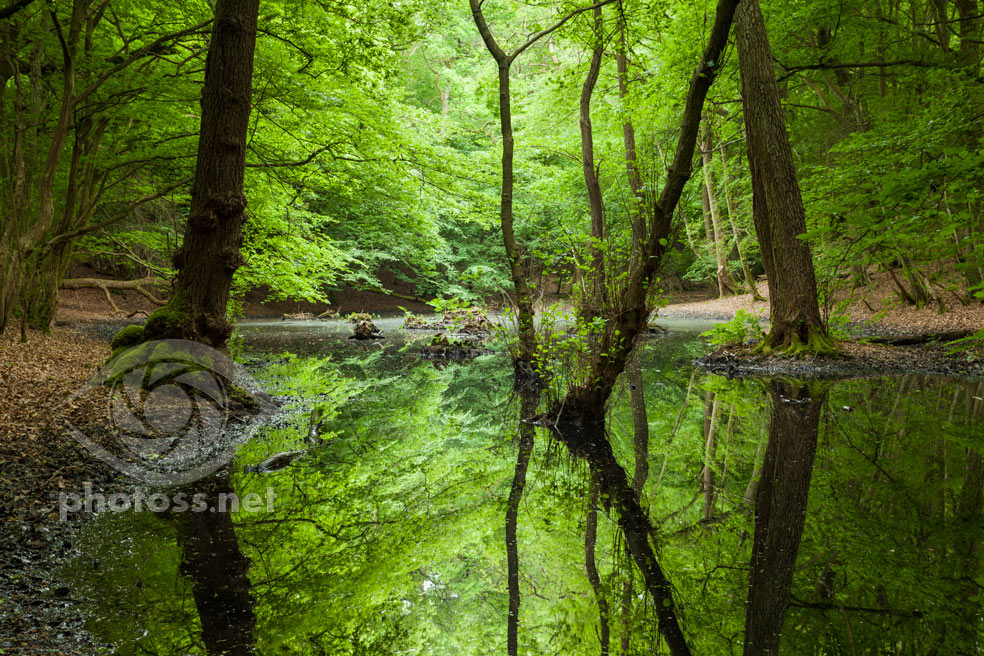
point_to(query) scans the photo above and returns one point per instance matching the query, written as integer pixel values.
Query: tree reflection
(529, 396)
(589, 441)
(212, 559)
(780, 510)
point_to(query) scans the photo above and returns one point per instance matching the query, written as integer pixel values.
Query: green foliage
(744, 327)
(971, 347)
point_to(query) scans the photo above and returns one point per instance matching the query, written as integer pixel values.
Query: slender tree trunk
(726, 283)
(638, 214)
(733, 218)
(596, 290)
(523, 357)
(630, 315)
(710, 444)
(529, 398)
(640, 473)
(780, 512)
(590, 539)
(589, 442)
(777, 205)
(209, 255)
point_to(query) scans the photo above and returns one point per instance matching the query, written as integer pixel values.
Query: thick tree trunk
(209, 255)
(777, 204)
(780, 512)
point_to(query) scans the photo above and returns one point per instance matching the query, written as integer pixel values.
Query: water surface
(390, 538)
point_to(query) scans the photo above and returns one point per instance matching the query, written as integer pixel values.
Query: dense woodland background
(374, 144)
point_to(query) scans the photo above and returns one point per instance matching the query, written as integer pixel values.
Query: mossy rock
(128, 336)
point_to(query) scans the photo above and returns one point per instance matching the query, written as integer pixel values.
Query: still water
(390, 536)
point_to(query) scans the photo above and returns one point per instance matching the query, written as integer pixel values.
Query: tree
(210, 255)
(73, 101)
(527, 335)
(780, 218)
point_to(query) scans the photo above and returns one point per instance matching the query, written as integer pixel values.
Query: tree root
(816, 344)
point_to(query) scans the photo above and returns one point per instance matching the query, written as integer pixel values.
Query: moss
(168, 321)
(128, 336)
(817, 344)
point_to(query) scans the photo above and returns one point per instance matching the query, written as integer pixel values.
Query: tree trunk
(629, 316)
(710, 444)
(592, 305)
(209, 255)
(219, 572)
(733, 219)
(589, 442)
(777, 205)
(638, 214)
(780, 512)
(726, 283)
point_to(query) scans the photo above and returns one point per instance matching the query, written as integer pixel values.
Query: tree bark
(209, 255)
(777, 204)
(595, 302)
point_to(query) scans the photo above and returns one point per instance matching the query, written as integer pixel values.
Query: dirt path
(874, 307)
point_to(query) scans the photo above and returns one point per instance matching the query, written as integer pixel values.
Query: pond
(391, 536)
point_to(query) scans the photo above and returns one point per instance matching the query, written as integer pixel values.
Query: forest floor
(39, 462)
(869, 314)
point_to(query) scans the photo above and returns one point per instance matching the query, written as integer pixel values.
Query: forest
(634, 326)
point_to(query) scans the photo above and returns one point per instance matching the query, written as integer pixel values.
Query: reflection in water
(212, 559)
(780, 510)
(391, 538)
(588, 441)
(529, 396)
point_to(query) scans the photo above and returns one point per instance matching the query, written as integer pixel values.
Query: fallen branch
(387, 292)
(921, 338)
(106, 285)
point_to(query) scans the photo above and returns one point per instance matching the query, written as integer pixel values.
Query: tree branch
(119, 216)
(556, 26)
(13, 8)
